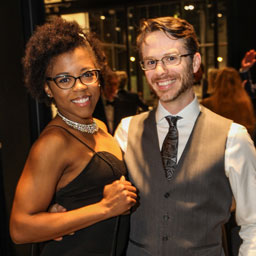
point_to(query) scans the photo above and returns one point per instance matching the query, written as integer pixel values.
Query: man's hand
(58, 208)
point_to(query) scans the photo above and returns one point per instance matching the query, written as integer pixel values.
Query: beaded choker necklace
(89, 128)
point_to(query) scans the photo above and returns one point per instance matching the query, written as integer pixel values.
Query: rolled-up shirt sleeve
(240, 167)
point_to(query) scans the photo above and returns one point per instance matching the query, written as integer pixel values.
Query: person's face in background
(78, 102)
(170, 83)
(110, 88)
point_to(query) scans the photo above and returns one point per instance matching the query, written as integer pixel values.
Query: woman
(230, 100)
(75, 162)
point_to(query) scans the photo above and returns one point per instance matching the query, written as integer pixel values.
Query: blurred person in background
(229, 99)
(130, 103)
(248, 74)
(106, 107)
(211, 76)
(116, 102)
(200, 83)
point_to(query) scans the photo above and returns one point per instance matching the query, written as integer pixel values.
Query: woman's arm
(30, 221)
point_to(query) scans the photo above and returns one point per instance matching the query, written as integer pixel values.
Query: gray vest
(181, 217)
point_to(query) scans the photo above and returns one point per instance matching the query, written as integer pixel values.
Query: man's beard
(186, 83)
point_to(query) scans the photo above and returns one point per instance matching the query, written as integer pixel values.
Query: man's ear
(47, 90)
(196, 62)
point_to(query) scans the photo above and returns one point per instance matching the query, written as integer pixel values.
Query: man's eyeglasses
(169, 60)
(67, 81)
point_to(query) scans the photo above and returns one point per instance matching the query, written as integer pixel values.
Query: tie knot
(172, 120)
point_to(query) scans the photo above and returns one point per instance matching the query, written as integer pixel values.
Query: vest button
(166, 195)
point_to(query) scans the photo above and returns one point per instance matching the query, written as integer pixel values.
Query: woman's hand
(119, 197)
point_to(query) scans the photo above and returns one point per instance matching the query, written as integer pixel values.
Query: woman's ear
(196, 62)
(48, 90)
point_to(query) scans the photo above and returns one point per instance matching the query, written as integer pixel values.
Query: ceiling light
(219, 59)
(132, 59)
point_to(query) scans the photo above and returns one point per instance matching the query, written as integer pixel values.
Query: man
(106, 108)
(128, 103)
(115, 102)
(248, 73)
(184, 205)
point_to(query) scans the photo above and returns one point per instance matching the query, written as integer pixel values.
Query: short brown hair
(175, 27)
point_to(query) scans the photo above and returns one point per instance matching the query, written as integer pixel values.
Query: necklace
(89, 128)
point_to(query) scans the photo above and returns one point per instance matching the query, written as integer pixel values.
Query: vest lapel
(183, 155)
(151, 150)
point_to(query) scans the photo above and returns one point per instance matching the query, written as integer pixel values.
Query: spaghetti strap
(73, 136)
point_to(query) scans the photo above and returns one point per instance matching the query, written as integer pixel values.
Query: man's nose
(160, 67)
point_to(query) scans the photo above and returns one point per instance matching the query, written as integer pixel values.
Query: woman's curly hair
(49, 41)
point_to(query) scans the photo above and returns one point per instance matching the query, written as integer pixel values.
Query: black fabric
(250, 85)
(99, 112)
(109, 102)
(124, 104)
(5, 241)
(108, 237)
(170, 147)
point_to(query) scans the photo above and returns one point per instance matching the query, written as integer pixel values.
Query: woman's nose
(79, 85)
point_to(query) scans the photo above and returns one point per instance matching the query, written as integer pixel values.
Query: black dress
(108, 237)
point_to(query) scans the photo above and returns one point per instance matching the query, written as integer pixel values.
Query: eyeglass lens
(87, 78)
(167, 60)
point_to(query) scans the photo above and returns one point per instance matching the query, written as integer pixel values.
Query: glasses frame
(78, 77)
(179, 55)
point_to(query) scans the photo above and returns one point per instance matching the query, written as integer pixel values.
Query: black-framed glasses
(67, 81)
(168, 60)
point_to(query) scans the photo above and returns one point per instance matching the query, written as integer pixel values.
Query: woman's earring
(49, 95)
(99, 85)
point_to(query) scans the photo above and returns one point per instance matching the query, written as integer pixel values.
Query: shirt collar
(189, 113)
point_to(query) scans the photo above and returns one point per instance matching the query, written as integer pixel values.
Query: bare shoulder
(53, 137)
(52, 142)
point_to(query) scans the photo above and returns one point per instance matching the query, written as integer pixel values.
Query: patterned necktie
(170, 147)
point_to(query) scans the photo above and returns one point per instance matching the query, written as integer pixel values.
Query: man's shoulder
(144, 115)
(137, 117)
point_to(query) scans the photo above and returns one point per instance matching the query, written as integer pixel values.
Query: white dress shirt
(240, 165)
